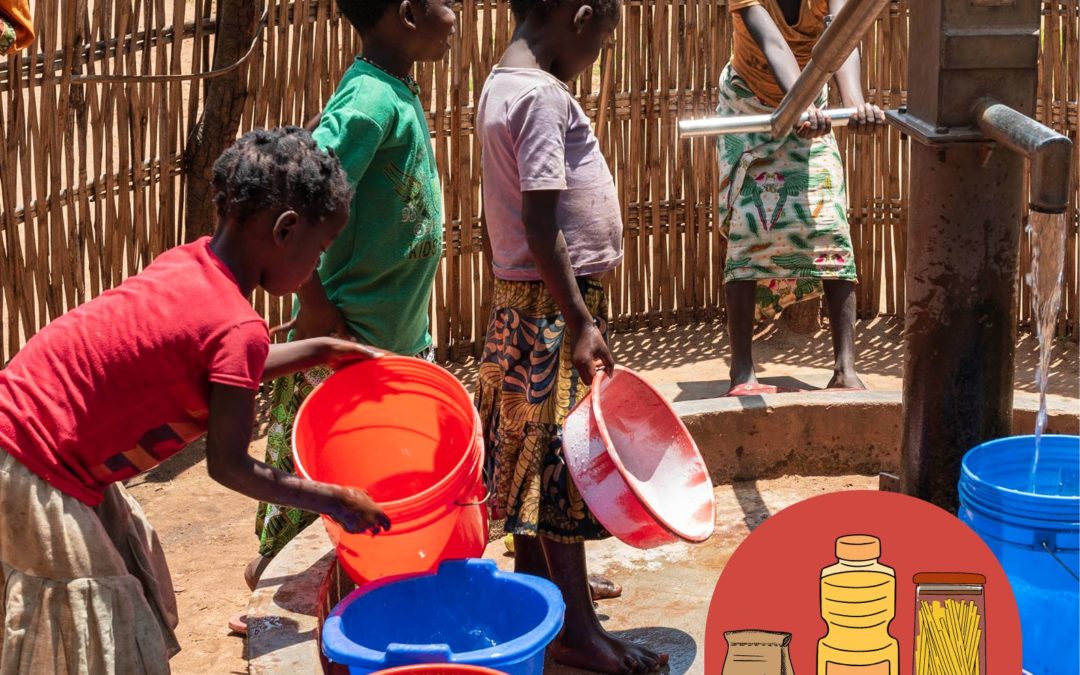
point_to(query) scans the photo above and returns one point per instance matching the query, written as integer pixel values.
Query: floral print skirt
(783, 207)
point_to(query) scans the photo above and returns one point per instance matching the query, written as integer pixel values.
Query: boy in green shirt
(374, 282)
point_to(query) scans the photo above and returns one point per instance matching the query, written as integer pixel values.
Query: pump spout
(1048, 151)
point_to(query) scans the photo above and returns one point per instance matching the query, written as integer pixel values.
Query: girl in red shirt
(126, 380)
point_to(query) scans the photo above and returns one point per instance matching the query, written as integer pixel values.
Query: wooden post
(224, 100)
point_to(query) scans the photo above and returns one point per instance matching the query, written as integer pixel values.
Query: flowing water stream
(1047, 232)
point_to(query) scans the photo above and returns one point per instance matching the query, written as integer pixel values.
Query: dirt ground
(207, 531)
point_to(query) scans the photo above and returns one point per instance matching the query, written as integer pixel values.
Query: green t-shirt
(380, 269)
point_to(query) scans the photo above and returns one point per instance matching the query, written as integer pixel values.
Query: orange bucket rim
(421, 499)
(632, 483)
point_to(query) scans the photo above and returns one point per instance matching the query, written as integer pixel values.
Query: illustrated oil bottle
(858, 600)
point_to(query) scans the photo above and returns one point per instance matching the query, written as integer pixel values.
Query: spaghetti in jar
(950, 623)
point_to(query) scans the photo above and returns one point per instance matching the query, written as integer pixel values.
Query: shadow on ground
(680, 647)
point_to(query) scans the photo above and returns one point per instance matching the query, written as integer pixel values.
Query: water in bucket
(1032, 525)
(1047, 232)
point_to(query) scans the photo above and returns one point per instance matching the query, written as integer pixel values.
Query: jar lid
(858, 547)
(949, 579)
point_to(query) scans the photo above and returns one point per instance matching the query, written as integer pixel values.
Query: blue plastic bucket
(468, 612)
(1035, 535)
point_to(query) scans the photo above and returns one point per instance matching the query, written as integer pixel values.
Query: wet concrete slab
(667, 590)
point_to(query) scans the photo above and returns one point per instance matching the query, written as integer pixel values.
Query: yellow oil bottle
(858, 600)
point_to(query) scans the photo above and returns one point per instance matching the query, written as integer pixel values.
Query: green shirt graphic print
(380, 269)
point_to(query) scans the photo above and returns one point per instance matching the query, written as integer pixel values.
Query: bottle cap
(858, 547)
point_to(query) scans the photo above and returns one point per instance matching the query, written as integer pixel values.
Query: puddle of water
(603, 559)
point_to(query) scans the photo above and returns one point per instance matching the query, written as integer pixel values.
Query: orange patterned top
(749, 61)
(16, 26)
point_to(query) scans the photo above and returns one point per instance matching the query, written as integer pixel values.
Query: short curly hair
(522, 8)
(280, 168)
(364, 14)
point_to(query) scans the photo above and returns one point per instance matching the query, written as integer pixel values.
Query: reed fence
(96, 115)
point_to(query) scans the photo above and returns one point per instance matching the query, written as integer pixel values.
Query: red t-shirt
(121, 383)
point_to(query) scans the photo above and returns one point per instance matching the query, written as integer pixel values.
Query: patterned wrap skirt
(782, 207)
(527, 386)
(276, 525)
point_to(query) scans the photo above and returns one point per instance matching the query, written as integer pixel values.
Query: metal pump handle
(750, 124)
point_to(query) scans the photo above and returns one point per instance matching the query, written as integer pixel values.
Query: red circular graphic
(772, 581)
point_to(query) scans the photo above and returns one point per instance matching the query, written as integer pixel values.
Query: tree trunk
(804, 317)
(223, 102)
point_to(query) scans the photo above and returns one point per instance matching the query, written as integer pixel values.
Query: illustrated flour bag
(757, 652)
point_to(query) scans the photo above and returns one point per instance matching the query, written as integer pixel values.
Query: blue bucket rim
(340, 649)
(1014, 495)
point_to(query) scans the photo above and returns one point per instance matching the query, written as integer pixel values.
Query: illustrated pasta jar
(950, 624)
(858, 601)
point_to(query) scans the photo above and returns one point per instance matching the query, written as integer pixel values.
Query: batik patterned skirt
(782, 206)
(526, 387)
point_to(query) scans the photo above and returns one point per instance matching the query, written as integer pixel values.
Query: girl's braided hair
(281, 168)
(522, 8)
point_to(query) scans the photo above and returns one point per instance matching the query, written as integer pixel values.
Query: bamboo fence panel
(92, 170)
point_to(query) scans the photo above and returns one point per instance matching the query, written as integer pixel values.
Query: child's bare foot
(602, 652)
(603, 589)
(254, 571)
(845, 379)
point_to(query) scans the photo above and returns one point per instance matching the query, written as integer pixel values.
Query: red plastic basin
(636, 465)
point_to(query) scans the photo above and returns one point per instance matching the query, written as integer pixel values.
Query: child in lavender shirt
(553, 223)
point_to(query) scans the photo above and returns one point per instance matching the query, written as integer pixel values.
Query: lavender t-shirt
(535, 136)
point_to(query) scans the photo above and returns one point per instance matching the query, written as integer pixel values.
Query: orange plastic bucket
(405, 431)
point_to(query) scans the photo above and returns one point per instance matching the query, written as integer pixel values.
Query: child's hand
(867, 119)
(338, 353)
(355, 511)
(818, 125)
(316, 319)
(591, 353)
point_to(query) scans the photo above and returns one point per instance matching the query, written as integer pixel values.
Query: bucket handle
(1046, 547)
(479, 503)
